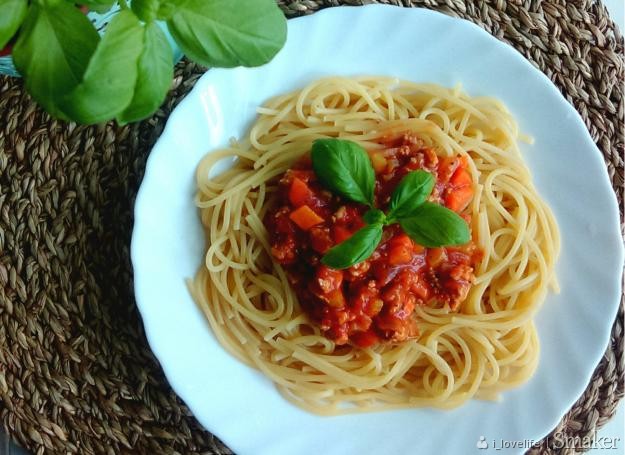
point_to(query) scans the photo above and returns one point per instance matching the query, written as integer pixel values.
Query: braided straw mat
(76, 372)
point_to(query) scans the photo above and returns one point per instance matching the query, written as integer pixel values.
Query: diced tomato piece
(299, 193)
(340, 233)
(459, 198)
(365, 339)
(305, 217)
(461, 178)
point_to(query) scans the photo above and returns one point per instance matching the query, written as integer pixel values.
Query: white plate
(239, 404)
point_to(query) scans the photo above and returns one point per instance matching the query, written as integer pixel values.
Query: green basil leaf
(411, 192)
(53, 50)
(146, 10)
(433, 225)
(355, 249)
(155, 72)
(228, 33)
(344, 168)
(374, 216)
(12, 13)
(108, 85)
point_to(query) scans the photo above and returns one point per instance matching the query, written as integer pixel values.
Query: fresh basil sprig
(125, 75)
(344, 168)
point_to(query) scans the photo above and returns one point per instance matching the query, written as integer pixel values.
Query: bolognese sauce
(372, 301)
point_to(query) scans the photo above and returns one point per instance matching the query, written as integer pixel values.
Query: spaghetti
(487, 345)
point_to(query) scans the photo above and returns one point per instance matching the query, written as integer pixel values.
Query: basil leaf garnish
(344, 168)
(227, 33)
(108, 84)
(11, 17)
(54, 46)
(155, 70)
(355, 249)
(411, 192)
(433, 225)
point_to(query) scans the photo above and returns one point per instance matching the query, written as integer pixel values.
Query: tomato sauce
(373, 301)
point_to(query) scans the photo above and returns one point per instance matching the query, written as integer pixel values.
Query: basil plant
(76, 74)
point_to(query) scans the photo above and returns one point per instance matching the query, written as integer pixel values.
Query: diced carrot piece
(399, 255)
(340, 233)
(305, 217)
(461, 178)
(299, 193)
(401, 250)
(402, 240)
(458, 199)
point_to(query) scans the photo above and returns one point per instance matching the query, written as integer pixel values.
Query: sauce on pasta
(373, 301)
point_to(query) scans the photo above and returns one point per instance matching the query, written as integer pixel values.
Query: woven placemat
(76, 373)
